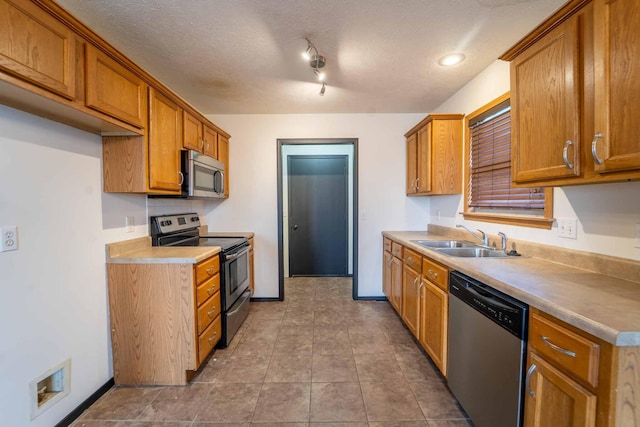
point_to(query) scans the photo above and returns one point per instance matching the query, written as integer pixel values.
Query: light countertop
(140, 251)
(604, 306)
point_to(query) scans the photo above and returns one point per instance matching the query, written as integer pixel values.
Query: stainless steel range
(182, 230)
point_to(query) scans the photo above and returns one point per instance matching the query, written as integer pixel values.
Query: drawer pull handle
(210, 271)
(551, 345)
(213, 337)
(210, 290)
(213, 310)
(528, 380)
(432, 273)
(565, 154)
(594, 148)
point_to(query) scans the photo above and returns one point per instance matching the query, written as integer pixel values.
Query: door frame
(345, 160)
(317, 141)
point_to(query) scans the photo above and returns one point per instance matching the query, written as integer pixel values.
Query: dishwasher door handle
(527, 382)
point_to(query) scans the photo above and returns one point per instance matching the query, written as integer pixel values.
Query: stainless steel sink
(433, 244)
(476, 252)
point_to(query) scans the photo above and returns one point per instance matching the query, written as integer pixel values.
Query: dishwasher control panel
(503, 309)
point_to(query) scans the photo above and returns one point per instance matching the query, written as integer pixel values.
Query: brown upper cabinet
(210, 138)
(191, 132)
(574, 96)
(165, 132)
(53, 65)
(198, 136)
(113, 89)
(434, 156)
(37, 47)
(223, 156)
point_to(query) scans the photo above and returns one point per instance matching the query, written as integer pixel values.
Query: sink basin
(473, 252)
(434, 244)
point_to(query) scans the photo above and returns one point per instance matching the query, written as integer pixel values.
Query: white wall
(54, 295)
(606, 213)
(381, 175)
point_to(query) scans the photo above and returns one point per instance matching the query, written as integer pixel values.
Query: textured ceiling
(244, 56)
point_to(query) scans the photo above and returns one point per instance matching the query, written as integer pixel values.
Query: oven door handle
(234, 256)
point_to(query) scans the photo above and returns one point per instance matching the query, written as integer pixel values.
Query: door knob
(295, 227)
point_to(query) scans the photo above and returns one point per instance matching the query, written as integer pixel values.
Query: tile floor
(318, 359)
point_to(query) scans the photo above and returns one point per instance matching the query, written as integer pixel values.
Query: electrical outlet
(9, 240)
(637, 244)
(568, 228)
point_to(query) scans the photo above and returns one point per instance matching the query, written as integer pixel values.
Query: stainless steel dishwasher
(487, 348)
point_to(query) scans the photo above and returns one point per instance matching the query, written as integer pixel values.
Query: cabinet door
(210, 137)
(396, 284)
(114, 90)
(424, 159)
(433, 323)
(223, 156)
(386, 274)
(412, 163)
(411, 300)
(164, 143)
(37, 47)
(554, 399)
(617, 87)
(192, 133)
(545, 99)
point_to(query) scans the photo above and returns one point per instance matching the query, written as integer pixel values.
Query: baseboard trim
(265, 299)
(73, 415)
(371, 299)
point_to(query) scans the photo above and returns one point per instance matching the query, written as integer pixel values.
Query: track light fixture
(316, 61)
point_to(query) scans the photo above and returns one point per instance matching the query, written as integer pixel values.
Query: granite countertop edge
(554, 288)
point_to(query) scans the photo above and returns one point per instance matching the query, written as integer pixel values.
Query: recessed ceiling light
(451, 59)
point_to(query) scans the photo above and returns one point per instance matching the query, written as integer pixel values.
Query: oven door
(236, 275)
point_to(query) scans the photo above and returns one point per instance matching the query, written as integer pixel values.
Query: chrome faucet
(504, 241)
(483, 236)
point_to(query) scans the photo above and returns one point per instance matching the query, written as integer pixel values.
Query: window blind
(490, 165)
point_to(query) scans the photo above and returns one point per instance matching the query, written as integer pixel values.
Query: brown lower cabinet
(165, 320)
(554, 399)
(417, 288)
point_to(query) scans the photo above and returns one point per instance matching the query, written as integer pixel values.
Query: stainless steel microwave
(203, 176)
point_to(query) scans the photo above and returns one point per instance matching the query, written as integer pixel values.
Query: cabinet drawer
(207, 268)
(435, 273)
(413, 259)
(386, 244)
(207, 289)
(396, 249)
(208, 339)
(209, 310)
(576, 354)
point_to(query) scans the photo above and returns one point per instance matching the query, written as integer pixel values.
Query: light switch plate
(568, 228)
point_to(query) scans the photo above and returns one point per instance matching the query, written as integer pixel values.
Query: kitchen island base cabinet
(159, 335)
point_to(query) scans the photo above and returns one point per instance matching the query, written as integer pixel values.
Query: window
(489, 194)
